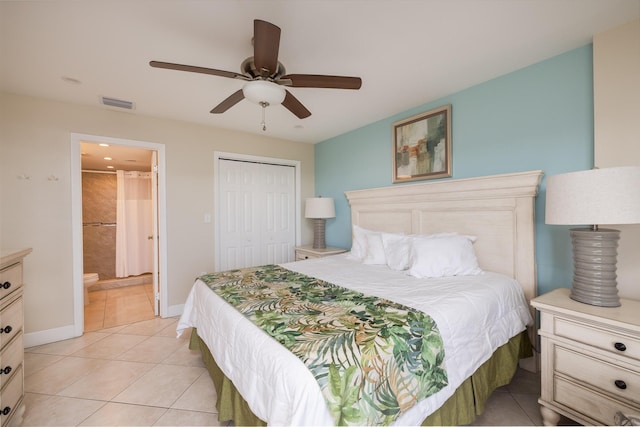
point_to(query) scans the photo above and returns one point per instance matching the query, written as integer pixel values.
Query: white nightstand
(590, 359)
(307, 252)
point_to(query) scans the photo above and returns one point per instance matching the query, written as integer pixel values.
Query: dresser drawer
(602, 409)
(608, 340)
(10, 279)
(11, 319)
(11, 396)
(603, 376)
(11, 359)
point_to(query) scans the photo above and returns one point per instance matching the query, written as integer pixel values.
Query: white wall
(616, 78)
(36, 212)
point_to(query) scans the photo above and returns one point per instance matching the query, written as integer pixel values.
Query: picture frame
(422, 146)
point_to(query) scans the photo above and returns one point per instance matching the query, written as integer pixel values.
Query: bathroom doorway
(121, 192)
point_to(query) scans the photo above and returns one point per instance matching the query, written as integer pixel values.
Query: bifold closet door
(256, 214)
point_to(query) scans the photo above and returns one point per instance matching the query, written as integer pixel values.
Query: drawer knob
(6, 329)
(6, 410)
(6, 285)
(620, 346)
(6, 370)
(620, 384)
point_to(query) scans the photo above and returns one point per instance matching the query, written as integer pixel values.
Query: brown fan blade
(266, 43)
(326, 82)
(228, 103)
(292, 104)
(194, 69)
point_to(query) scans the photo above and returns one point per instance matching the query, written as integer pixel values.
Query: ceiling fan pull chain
(264, 106)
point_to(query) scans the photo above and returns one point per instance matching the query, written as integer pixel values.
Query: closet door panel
(278, 231)
(239, 219)
(257, 214)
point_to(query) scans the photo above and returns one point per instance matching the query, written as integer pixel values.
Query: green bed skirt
(462, 408)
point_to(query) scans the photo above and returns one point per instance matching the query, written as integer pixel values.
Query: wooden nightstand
(307, 252)
(590, 359)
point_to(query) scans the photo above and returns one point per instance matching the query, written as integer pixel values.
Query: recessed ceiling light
(110, 167)
(108, 158)
(103, 145)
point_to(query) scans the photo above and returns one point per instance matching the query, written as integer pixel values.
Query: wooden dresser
(590, 359)
(11, 336)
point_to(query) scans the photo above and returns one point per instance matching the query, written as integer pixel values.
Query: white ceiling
(407, 52)
(114, 157)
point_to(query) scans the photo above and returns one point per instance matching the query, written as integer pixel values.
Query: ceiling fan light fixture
(263, 91)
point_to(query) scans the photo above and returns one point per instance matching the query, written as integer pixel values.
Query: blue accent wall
(538, 117)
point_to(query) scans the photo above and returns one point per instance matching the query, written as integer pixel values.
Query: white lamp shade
(320, 207)
(258, 91)
(594, 197)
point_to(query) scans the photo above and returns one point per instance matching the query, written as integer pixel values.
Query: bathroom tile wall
(99, 206)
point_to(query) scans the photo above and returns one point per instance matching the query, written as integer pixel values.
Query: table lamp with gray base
(319, 209)
(595, 197)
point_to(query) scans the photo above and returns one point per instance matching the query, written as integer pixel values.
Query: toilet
(89, 279)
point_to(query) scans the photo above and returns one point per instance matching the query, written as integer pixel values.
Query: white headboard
(498, 209)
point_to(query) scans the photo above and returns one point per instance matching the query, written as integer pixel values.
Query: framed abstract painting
(422, 146)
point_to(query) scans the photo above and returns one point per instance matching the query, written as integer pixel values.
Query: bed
(258, 381)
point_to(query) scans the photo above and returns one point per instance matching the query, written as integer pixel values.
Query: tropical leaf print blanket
(373, 358)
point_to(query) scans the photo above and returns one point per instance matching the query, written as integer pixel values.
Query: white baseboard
(48, 336)
(33, 339)
(175, 310)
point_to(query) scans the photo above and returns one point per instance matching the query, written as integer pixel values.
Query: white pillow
(443, 256)
(375, 250)
(396, 250)
(397, 247)
(359, 242)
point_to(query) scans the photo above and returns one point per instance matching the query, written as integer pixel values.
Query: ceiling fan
(266, 76)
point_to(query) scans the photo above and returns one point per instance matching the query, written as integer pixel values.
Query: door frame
(76, 220)
(217, 156)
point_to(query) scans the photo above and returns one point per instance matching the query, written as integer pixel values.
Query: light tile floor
(140, 374)
(118, 306)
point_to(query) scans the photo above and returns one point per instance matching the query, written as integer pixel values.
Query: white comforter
(475, 315)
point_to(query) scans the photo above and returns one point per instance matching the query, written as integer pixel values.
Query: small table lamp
(319, 209)
(596, 196)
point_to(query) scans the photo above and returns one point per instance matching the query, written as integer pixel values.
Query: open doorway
(118, 198)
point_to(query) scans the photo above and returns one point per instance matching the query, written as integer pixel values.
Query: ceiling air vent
(118, 103)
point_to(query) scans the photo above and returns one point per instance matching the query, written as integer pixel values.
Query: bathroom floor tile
(126, 291)
(122, 310)
(115, 305)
